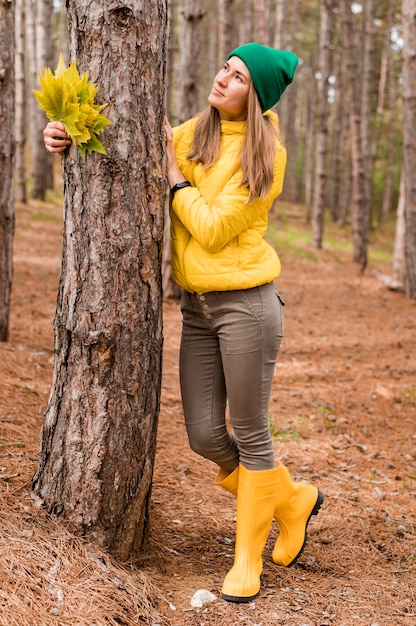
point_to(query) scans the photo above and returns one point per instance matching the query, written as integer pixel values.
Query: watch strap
(181, 185)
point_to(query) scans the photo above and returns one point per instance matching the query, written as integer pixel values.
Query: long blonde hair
(257, 152)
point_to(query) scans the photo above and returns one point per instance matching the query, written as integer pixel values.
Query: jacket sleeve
(214, 225)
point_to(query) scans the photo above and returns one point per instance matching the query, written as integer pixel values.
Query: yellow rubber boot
(295, 504)
(228, 481)
(256, 497)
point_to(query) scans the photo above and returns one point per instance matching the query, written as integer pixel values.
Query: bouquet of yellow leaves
(67, 97)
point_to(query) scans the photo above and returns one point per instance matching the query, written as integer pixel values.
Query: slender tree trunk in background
(339, 127)
(397, 274)
(20, 102)
(287, 109)
(260, 20)
(366, 81)
(391, 137)
(6, 162)
(99, 433)
(193, 13)
(30, 74)
(409, 144)
(279, 25)
(210, 63)
(42, 160)
(308, 162)
(318, 211)
(386, 94)
(63, 33)
(246, 22)
(171, 62)
(359, 197)
(308, 149)
(226, 40)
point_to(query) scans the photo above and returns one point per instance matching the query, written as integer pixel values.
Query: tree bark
(260, 20)
(409, 146)
(287, 109)
(42, 162)
(397, 266)
(225, 29)
(193, 13)
(6, 162)
(99, 432)
(365, 116)
(360, 209)
(279, 24)
(246, 22)
(318, 210)
(20, 107)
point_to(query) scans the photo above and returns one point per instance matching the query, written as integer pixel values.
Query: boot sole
(315, 511)
(239, 599)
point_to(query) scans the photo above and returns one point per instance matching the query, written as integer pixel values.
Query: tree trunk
(99, 432)
(193, 13)
(318, 210)
(20, 106)
(339, 164)
(409, 145)
(365, 114)
(399, 242)
(390, 116)
(30, 75)
(42, 162)
(279, 24)
(6, 161)
(307, 180)
(260, 21)
(359, 197)
(287, 109)
(225, 29)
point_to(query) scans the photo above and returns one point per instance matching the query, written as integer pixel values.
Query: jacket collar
(233, 128)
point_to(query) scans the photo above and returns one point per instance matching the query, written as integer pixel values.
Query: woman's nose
(222, 79)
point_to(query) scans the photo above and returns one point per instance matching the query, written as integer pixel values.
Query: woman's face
(229, 91)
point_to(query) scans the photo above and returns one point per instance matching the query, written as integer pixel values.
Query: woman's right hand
(174, 173)
(55, 138)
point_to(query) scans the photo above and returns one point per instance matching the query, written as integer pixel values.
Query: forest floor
(343, 416)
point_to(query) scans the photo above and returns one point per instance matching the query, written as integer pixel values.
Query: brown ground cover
(343, 416)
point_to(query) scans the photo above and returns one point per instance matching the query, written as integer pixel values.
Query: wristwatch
(184, 183)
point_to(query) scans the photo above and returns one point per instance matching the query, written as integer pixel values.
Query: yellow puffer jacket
(216, 238)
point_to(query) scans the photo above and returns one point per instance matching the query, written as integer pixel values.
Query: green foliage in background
(69, 98)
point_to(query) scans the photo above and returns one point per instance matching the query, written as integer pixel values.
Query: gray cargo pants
(229, 347)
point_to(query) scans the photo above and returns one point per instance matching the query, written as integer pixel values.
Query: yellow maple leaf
(69, 98)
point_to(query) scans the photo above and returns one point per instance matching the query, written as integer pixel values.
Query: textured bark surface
(98, 440)
(6, 162)
(42, 15)
(190, 50)
(360, 204)
(321, 157)
(409, 152)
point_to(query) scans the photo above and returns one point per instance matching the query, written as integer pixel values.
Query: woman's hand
(55, 138)
(174, 173)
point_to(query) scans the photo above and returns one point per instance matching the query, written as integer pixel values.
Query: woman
(225, 168)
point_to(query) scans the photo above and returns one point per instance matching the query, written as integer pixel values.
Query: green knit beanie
(271, 70)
